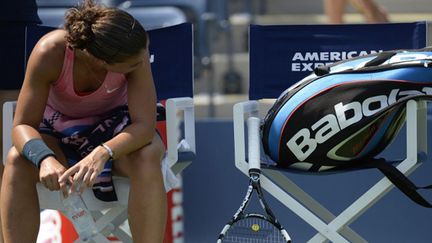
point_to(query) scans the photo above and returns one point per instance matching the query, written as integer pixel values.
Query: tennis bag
(343, 115)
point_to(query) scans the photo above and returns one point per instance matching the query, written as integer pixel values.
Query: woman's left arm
(142, 109)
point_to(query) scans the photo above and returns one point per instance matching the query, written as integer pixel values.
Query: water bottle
(80, 216)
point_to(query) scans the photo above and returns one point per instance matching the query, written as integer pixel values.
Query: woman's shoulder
(48, 54)
(52, 45)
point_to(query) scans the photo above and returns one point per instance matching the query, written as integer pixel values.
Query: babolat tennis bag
(343, 115)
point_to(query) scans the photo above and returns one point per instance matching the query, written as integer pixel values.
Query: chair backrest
(282, 55)
(172, 60)
(170, 53)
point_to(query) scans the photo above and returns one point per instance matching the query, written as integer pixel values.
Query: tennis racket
(253, 227)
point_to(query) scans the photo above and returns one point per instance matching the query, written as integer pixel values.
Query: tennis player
(87, 106)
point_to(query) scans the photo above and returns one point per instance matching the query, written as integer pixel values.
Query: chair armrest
(241, 111)
(8, 114)
(173, 105)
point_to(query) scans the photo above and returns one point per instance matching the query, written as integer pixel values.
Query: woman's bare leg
(19, 200)
(147, 207)
(372, 12)
(5, 95)
(334, 11)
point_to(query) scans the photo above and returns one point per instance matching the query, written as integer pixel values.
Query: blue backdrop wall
(214, 188)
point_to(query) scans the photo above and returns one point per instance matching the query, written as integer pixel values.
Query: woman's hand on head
(84, 173)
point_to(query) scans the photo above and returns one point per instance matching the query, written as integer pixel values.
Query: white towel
(170, 180)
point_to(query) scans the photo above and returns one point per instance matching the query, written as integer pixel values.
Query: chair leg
(422, 126)
(110, 222)
(296, 207)
(122, 235)
(310, 203)
(119, 231)
(359, 206)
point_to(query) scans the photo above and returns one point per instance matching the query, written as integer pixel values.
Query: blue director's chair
(282, 55)
(172, 68)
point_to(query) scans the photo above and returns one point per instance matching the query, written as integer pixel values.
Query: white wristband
(110, 152)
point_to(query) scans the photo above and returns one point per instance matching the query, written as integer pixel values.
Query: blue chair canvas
(282, 55)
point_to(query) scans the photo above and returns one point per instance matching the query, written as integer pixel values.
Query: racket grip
(253, 124)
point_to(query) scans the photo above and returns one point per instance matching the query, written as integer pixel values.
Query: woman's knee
(17, 165)
(145, 160)
(13, 157)
(150, 155)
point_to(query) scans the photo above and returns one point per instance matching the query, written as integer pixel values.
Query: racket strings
(253, 230)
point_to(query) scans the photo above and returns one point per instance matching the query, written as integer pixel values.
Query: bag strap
(380, 58)
(400, 181)
(373, 64)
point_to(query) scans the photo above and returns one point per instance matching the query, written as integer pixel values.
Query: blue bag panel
(296, 49)
(324, 110)
(413, 75)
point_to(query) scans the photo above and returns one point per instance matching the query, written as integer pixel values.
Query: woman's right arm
(43, 68)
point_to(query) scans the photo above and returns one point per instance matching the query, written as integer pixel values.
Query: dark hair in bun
(109, 34)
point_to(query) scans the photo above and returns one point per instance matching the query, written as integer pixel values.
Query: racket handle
(254, 143)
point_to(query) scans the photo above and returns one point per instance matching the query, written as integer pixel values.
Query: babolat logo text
(308, 61)
(305, 141)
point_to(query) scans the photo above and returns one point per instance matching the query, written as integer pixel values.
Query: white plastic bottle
(80, 216)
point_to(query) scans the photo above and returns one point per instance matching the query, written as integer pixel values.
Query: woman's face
(130, 64)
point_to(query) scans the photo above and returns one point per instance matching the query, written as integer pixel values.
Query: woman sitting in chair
(87, 105)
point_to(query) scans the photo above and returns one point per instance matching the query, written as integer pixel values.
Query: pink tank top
(64, 99)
